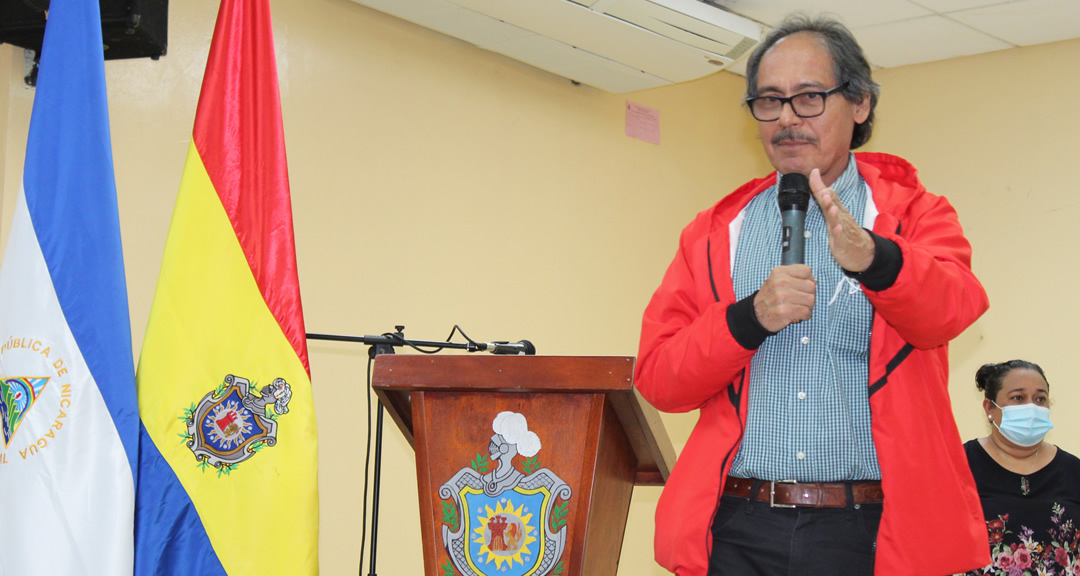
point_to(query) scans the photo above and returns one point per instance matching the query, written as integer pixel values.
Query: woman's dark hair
(849, 64)
(988, 378)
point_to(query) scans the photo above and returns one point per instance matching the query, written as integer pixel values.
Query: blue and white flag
(68, 445)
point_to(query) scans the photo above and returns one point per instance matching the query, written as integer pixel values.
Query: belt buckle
(772, 493)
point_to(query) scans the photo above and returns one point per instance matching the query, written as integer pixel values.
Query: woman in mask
(1030, 489)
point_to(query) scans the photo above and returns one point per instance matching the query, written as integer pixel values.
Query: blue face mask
(1025, 424)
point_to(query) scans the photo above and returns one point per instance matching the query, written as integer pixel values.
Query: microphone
(793, 196)
(519, 348)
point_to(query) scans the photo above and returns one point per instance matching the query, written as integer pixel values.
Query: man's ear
(862, 110)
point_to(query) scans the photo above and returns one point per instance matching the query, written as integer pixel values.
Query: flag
(228, 461)
(70, 425)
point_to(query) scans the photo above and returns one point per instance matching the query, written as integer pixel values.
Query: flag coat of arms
(228, 458)
(69, 425)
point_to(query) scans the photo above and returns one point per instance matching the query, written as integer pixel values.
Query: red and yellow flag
(224, 385)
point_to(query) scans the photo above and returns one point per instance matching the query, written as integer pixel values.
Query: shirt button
(805, 340)
(800, 456)
(807, 234)
(802, 395)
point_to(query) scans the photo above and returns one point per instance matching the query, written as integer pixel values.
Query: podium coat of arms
(505, 521)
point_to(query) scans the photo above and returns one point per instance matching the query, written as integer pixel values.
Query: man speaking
(826, 443)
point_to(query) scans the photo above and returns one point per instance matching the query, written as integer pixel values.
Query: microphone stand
(385, 345)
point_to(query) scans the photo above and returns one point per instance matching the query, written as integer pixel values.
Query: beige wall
(996, 134)
(435, 183)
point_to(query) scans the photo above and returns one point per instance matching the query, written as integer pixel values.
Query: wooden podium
(525, 464)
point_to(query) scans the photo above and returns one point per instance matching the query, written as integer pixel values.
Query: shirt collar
(846, 186)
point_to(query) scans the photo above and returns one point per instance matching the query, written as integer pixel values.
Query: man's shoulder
(728, 207)
(888, 170)
(895, 185)
(721, 214)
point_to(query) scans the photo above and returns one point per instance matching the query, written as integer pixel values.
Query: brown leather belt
(786, 494)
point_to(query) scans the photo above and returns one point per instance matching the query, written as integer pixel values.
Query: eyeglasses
(805, 105)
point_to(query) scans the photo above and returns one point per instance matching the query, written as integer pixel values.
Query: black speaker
(129, 28)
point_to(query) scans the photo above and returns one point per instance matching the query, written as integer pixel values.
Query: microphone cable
(401, 340)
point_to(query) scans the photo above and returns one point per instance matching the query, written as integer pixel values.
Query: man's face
(796, 64)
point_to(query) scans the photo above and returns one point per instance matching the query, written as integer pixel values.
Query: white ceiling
(899, 32)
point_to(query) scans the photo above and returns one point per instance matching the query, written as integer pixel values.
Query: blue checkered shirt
(809, 410)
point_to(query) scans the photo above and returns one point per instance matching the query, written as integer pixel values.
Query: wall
(433, 184)
(995, 134)
(437, 184)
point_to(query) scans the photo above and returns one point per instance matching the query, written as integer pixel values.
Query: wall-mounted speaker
(129, 28)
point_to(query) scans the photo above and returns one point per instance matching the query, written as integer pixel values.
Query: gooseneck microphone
(793, 195)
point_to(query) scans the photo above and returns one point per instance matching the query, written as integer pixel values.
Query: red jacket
(932, 522)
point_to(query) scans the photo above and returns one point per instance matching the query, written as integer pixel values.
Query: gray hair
(849, 63)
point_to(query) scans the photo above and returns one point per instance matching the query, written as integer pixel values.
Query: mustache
(788, 134)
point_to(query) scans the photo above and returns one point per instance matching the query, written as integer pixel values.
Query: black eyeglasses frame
(790, 102)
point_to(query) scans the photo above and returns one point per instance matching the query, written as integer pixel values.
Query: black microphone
(794, 198)
(521, 347)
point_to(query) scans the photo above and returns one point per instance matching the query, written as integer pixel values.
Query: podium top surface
(395, 377)
(509, 373)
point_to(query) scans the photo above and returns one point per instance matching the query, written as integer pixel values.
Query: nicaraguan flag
(67, 385)
(228, 479)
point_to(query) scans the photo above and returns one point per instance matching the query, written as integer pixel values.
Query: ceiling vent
(615, 45)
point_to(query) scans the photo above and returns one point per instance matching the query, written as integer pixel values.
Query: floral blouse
(1030, 518)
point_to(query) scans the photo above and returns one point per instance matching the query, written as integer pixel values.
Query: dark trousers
(752, 538)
